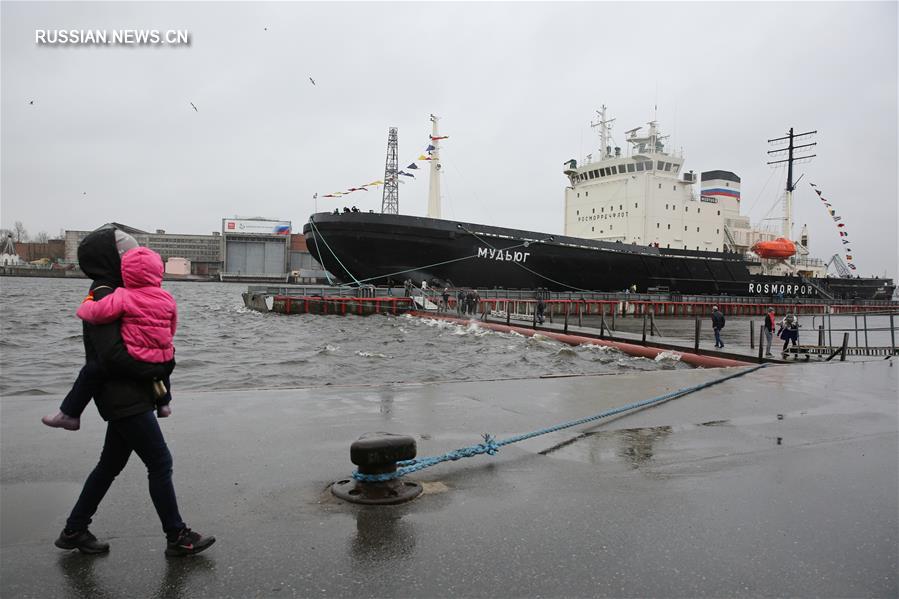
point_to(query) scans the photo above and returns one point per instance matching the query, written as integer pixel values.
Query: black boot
(187, 542)
(82, 540)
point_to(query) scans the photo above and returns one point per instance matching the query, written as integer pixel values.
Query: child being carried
(149, 318)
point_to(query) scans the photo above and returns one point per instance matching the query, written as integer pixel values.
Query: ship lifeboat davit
(779, 248)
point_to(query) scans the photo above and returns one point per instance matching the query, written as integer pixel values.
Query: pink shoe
(163, 411)
(60, 420)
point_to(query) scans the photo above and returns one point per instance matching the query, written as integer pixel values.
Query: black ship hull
(380, 249)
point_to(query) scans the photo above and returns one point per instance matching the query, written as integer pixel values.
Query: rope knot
(489, 446)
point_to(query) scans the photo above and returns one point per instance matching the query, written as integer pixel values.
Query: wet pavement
(781, 482)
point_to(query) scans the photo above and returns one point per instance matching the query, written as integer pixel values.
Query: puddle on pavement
(634, 446)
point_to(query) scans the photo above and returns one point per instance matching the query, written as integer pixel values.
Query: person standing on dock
(717, 325)
(789, 331)
(768, 330)
(445, 296)
(460, 302)
(541, 309)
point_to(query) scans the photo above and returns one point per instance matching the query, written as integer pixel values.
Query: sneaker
(164, 411)
(82, 540)
(188, 542)
(60, 420)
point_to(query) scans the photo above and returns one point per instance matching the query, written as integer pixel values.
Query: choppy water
(222, 345)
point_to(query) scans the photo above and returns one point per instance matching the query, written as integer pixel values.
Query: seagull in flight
(194, 107)
(31, 103)
(312, 80)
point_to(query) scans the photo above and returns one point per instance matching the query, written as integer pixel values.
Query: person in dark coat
(460, 302)
(126, 400)
(789, 331)
(541, 310)
(717, 325)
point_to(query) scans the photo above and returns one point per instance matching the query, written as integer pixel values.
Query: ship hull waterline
(382, 249)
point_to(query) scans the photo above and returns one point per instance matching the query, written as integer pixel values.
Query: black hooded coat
(128, 386)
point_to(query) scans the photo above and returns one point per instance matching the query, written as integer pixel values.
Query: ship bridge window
(717, 231)
(660, 186)
(697, 230)
(591, 174)
(719, 213)
(666, 206)
(596, 174)
(630, 167)
(647, 165)
(639, 166)
(674, 188)
(659, 165)
(685, 228)
(658, 225)
(577, 212)
(635, 205)
(667, 166)
(669, 226)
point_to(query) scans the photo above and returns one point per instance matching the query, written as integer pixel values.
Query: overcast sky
(111, 135)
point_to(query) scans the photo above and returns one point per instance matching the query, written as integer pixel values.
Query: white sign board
(255, 227)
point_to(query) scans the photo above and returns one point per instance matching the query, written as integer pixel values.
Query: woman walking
(126, 401)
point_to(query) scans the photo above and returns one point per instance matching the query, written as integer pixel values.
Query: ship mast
(792, 157)
(434, 185)
(605, 126)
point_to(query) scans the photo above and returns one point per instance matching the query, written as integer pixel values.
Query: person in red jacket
(768, 330)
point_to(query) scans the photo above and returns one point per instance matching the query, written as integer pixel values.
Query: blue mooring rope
(490, 445)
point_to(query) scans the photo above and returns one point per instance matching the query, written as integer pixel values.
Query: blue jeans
(141, 434)
(718, 342)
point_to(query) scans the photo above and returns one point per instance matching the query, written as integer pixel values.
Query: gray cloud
(515, 83)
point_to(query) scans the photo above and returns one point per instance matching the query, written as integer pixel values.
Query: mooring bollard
(752, 335)
(762, 342)
(821, 335)
(644, 329)
(378, 453)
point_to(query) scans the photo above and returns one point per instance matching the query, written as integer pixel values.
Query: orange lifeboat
(779, 248)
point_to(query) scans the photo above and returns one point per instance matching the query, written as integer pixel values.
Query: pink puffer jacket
(148, 312)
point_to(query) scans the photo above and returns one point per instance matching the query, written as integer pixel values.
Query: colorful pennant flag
(430, 148)
(412, 166)
(439, 137)
(840, 226)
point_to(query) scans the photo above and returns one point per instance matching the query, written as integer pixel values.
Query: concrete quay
(782, 482)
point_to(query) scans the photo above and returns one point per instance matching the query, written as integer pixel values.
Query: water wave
(222, 345)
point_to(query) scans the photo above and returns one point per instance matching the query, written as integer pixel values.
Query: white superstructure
(640, 196)
(643, 196)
